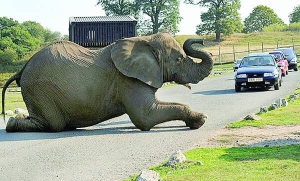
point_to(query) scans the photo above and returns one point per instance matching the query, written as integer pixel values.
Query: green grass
(241, 39)
(271, 163)
(282, 116)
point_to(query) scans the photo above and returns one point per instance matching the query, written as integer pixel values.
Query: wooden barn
(100, 31)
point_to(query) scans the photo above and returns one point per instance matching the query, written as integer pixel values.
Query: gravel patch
(255, 137)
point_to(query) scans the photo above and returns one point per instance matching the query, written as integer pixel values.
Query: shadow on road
(232, 91)
(115, 127)
(216, 92)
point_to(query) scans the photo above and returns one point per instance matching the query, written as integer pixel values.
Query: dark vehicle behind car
(236, 64)
(282, 61)
(258, 70)
(290, 56)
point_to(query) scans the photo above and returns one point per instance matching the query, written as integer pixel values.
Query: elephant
(66, 86)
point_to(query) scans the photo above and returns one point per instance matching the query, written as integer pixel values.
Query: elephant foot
(10, 126)
(196, 121)
(22, 123)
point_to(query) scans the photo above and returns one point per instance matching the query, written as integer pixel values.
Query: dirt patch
(255, 137)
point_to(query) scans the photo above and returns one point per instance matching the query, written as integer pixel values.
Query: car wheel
(280, 82)
(296, 69)
(276, 86)
(238, 89)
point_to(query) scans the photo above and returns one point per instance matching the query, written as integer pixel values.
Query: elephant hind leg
(21, 124)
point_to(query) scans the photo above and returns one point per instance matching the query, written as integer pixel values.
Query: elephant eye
(179, 59)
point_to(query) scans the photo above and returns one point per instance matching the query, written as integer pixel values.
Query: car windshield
(278, 55)
(257, 61)
(288, 52)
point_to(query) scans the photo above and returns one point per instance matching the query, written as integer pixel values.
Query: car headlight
(241, 76)
(269, 74)
(294, 60)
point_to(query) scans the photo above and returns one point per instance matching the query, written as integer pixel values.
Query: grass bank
(227, 164)
(238, 45)
(282, 116)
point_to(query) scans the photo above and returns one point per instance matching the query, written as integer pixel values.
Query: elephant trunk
(203, 68)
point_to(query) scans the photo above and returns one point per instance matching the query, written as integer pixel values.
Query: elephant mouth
(179, 80)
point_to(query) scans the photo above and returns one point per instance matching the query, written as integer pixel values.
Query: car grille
(255, 75)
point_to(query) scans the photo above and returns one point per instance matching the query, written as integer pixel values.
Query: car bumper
(292, 66)
(267, 82)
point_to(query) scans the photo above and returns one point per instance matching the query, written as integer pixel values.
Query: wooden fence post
(262, 46)
(248, 47)
(233, 53)
(219, 54)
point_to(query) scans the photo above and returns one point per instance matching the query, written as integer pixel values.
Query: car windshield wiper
(268, 64)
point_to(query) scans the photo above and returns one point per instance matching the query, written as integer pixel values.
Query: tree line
(220, 17)
(17, 40)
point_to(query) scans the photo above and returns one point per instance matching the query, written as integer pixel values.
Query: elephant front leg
(193, 120)
(145, 118)
(145, 111)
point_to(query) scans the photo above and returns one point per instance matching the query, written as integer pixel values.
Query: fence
(229, 54)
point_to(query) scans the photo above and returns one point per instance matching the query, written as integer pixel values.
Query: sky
(54, 14)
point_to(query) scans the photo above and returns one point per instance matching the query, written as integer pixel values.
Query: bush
(275, 28)
(294, 27)
(8, 56)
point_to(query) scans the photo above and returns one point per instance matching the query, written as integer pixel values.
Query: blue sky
(54, 14)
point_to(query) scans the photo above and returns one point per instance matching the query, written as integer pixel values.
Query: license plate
(255, 79)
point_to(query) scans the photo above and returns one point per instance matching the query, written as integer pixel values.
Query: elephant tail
(16, 78)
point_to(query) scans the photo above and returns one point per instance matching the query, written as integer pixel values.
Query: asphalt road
(115, 149)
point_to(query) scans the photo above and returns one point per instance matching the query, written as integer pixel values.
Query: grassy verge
(282, 116)
(227, 164)
(272, 163)
(242, 163)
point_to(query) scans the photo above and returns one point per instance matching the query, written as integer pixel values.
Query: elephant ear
(135, 57)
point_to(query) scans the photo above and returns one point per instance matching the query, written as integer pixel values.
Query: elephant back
(66, 51)
(58, 62)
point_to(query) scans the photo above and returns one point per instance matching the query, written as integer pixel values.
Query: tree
(52, 36)
(19, 39)
(221, 17)
(260, 17)
(295, 15)
(7, 22)
(162, 15)
(118, 7)
(8, 56)
(153, 15)
(35, 29)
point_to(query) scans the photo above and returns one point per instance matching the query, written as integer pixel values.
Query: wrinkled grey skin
(66, 86)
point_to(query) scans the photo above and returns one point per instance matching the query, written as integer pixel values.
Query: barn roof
(119, 18)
